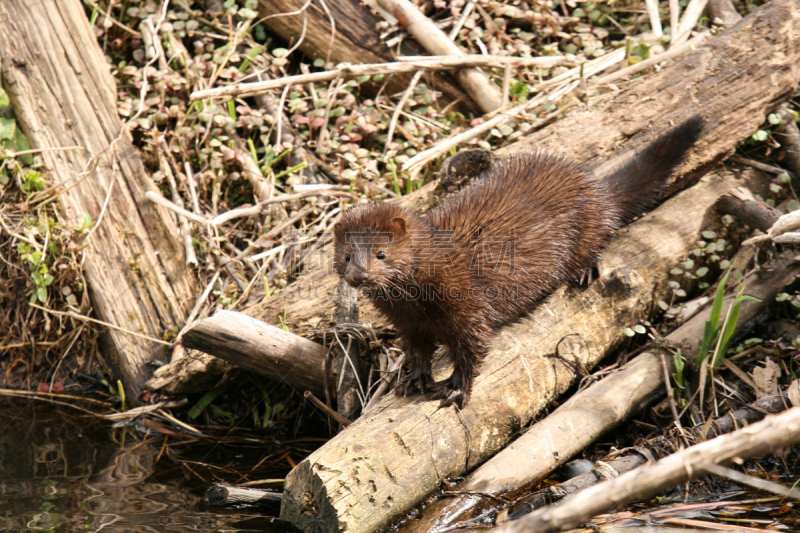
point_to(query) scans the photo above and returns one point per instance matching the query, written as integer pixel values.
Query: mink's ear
(398, 225)
(338, 230)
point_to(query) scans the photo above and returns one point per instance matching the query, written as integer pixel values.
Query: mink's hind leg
(419, 378)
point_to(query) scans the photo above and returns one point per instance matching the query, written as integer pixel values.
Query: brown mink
(532, 221)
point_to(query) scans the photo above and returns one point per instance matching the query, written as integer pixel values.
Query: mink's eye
(381, 255)
(347, 257)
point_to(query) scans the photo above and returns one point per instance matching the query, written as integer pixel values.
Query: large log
(354, 39)
(584, 417)
(734, 81)
(63, 95)
(394, 456)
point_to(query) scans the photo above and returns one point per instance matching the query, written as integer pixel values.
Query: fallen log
(771, 434)
(222, 495)
(754, 81)
(745, 416)
(735, 79)
(344, 32)
(395, 455)
(583, 418)
(260, 348)
(63, 94)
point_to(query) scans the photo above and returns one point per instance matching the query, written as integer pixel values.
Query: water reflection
(65, 472)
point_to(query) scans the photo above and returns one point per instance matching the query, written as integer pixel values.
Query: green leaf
(41, 294)
(7, 127)
(708, 336)
(21, 144)
(774, 119)
(677, 360)
(730, 325)
(121, 392)
(629, 332)
(716, 309)
(206, 400)
(638, 328)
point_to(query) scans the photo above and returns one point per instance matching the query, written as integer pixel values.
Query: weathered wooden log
(732, 82)
(755, 214)
(723, 10)
(392, 457)
(771, 434)
(63, 95)
(741, 417)
(587, 415)
(347, 360)
(350, 38)
(260, 348)
(193, 373)
(222, 494)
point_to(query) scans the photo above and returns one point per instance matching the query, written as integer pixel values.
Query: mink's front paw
(418, 381)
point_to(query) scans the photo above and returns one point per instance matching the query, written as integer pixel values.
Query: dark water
(64, 471)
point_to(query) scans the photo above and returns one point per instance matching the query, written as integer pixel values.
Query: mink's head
(373, 244)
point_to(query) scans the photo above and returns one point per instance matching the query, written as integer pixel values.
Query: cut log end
(310, 508)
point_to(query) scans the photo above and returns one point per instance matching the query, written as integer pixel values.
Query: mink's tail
(637, 184)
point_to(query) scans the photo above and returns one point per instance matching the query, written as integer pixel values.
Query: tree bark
(354, 39)
(63, 95)
(395, 455)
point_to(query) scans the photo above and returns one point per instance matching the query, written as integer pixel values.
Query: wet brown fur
(452, 275)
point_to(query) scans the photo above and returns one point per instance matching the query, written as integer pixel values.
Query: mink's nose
(360, 276)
